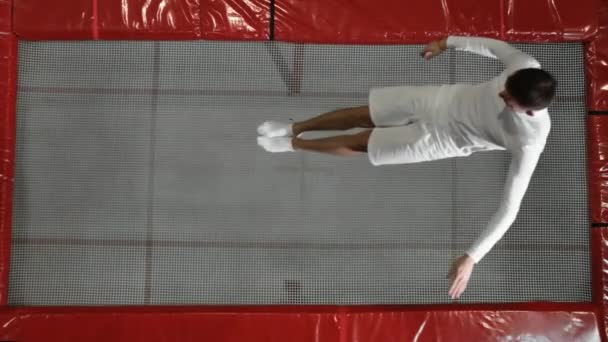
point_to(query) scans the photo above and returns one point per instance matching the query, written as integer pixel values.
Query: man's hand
(459, 275)
(433, 49)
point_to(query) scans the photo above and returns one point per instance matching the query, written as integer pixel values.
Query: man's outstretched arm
(488, 47)
(522, 167)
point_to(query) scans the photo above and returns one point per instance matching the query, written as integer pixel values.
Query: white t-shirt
(489, 125)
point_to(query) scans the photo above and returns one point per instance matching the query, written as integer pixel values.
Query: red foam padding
(8, 85)
(141, 19)
(596, 69)
(63, 19)
(99, 19)
(599, 254)
(411, 21)
(340, 21)
(5, 16)
(550, 20)
(235, 19)
(472, 326)
(566, 323)
(383, 21)
(597, 160)
(596, 64)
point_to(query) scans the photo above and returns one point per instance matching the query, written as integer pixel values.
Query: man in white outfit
(416, 124)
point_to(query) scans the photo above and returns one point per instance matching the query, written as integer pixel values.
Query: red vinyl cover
(383, 21)
(597, 64)
(8, 86)
(235, 19)
(5, 16)
(132, 19)
(142, 19)
(550, 20)
(63, 19)
(98, 19)
(398, 21)
(597, 164)
(335, 21)
(573, 323)
(599, 254)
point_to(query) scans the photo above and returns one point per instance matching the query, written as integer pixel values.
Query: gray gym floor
(139, 181)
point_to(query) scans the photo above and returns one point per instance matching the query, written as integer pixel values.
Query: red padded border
(235, 19)
(333, 21)
(39, 19)
(5, 16)
(8, 86)
(597, 166)
(550, 20)
(396, 21)
(98, 19)
(422, 323)
(142, 19)
(599, 255)
(383, 21)
(597, 63)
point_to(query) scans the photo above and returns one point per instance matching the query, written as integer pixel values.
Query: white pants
(409, 128)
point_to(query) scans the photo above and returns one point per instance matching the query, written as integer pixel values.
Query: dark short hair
(532, 88)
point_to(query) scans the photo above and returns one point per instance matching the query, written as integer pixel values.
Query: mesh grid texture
(139, 181)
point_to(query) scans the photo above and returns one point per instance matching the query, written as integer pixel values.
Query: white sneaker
(274, 129)
(277, 144)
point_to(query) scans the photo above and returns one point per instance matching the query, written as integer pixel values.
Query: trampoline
(138, 191)
(148, 151)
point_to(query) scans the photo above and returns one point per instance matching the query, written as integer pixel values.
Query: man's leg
(341, 119)
(343, 145)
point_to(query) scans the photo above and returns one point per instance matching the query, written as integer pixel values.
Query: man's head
(528, 90)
